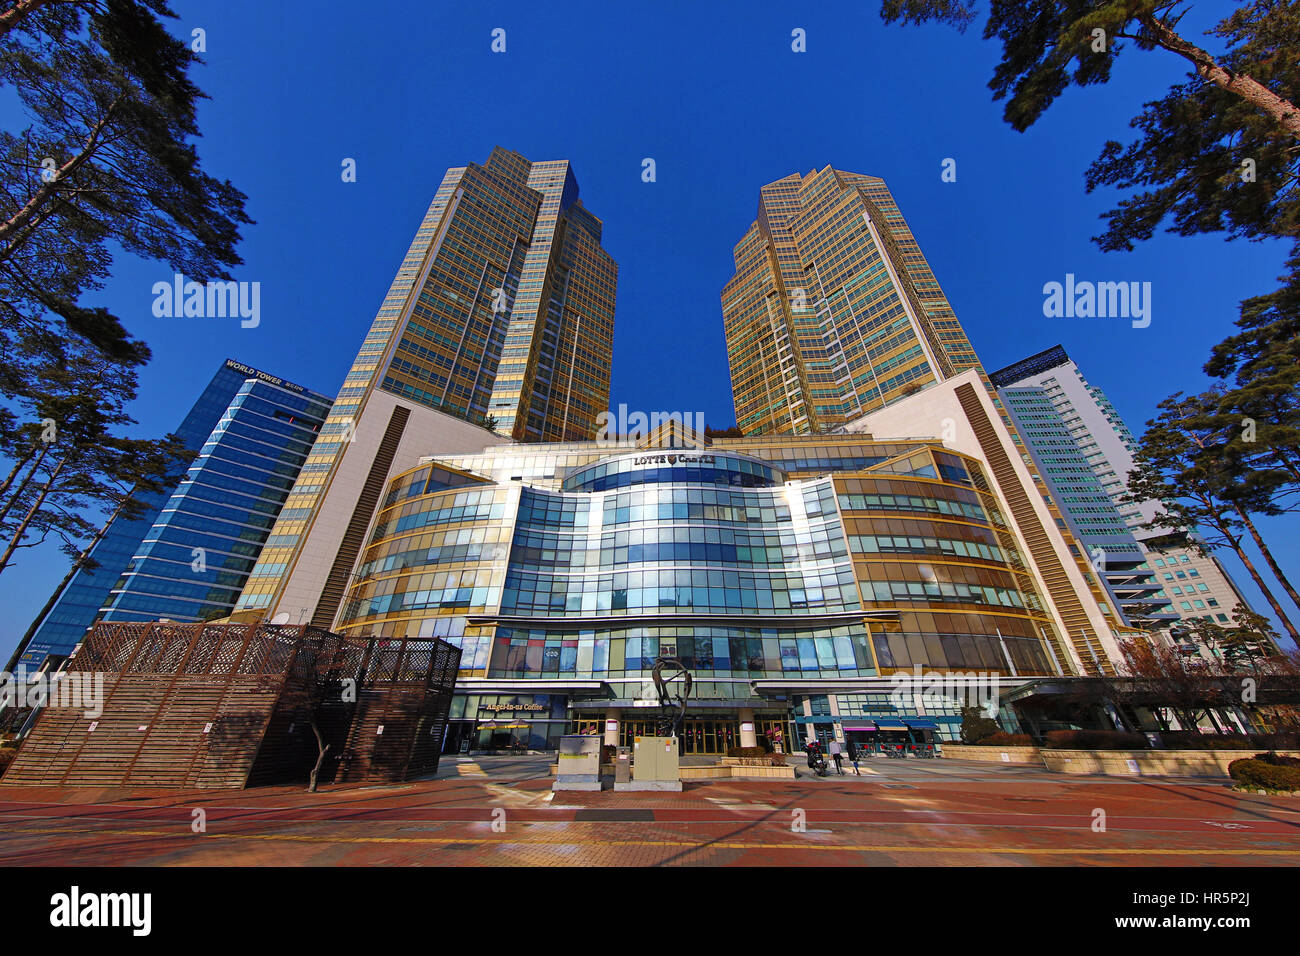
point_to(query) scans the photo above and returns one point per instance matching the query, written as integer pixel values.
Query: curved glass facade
(685, 467)
(745, 574)
(899, 557)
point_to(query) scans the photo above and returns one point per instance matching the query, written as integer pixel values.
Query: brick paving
(502, 813)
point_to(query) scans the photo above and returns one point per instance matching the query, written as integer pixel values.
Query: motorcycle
(817, 762)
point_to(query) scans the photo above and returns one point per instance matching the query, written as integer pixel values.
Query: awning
(861, 728)
(922, 724)
(890, 725)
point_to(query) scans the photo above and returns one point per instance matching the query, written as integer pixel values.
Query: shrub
(1191, 740)
(1282, 740)
(1278, 760)
(756, 757)
(976, 725)
(1001, 739)
(1256, 774)
(7, 755)
(1095, 740)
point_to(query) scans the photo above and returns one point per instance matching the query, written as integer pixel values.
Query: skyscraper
(187, 555)
(833, 310)
(500, 317)
(834, 318)
(1085, 452)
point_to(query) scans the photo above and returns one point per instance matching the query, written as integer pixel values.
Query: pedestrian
(837, 754)
(854, 753)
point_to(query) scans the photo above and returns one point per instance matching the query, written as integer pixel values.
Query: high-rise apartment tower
(833, 311)
(500, 319)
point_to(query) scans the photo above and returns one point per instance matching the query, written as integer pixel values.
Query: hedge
(1255, 773)
(1191, 740)
(1278, 760)
(1002, 739)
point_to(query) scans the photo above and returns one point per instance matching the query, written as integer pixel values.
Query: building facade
(1086, 453)
(796, 577)
(833, 310)
(498, 325)
(1092, 513)
(187, 555)
(1197, 585)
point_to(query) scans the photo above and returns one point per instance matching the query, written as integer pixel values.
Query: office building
(795, 576)
(187, 555)
(498, 326)
(833, 310)
(1085, 451)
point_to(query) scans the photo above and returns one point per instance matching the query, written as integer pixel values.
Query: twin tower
(499, 327)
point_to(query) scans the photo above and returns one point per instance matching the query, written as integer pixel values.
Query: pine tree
(1185, 463)
(1215, 153)
(107, 161)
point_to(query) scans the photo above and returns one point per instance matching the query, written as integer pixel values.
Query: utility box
(655, 765)
(623, 766)
(578, 764)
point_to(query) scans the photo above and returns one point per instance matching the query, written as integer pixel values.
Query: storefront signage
(674, 460)
(498, 708)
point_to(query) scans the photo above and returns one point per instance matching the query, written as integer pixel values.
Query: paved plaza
(500, 811)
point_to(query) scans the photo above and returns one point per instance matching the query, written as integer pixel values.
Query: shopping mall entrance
(700, 735)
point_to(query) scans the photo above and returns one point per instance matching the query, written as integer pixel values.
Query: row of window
(719, 652)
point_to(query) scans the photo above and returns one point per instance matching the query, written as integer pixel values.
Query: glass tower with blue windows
(187, 556)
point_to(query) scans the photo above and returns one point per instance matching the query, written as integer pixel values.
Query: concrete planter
(703, 773)
(1147, 763)
(1020, 755)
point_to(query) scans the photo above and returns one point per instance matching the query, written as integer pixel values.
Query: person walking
(837, 754)
(854, 752)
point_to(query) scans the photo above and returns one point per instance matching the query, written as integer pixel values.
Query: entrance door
(710, 735)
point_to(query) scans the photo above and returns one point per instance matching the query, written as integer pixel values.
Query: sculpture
(673, 685)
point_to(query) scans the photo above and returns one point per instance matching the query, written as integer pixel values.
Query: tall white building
(1068, 424)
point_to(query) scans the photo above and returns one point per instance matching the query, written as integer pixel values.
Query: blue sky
(714, 94)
